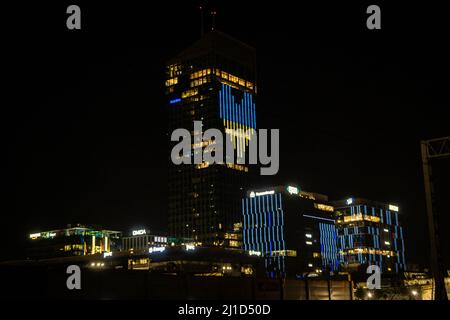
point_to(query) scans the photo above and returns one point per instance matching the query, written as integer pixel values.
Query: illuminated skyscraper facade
(369, 233)
(213, 81)
(292, 230)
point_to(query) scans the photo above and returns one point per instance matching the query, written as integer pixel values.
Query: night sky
(85, 134)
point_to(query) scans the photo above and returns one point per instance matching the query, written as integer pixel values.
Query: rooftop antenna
(213, 15)
(202, 28)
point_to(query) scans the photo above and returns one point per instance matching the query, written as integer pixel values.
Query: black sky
(85, 137)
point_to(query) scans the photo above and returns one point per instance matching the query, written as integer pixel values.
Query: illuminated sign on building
(254, 253)
(139, 232)
(292, 190)
(190, 247)
(393, 208)
(156, 249)
(263, 193)
(35, 235)
(107, 254)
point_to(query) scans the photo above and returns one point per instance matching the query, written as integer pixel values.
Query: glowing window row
(199, 82)
(284, 253)
(360, 217)
(323, 207)
(200, 73)
(171, 81)
(369, 251)
(234, 79)
(189, 93)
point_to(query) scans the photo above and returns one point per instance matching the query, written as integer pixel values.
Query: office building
(369, 232)
(74, 240)
(213, 81)
(292, 230)
(142, 239)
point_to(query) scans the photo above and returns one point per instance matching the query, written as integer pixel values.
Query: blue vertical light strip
(246, 109)
(227, 103)
(220, 102)
(254, 112)
(260, 222)
(252, 223)
(244, 224)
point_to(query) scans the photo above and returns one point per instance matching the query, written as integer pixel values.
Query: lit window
(309, 243)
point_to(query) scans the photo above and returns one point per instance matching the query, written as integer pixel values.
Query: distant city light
(349, 200)
(414, 293)
(369, 295)
(107, 254)
(190, 247)
(308, 235)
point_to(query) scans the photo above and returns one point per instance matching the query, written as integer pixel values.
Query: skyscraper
(213, 81)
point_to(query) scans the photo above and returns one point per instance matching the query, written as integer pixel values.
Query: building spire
(202, 27)
(213, 15)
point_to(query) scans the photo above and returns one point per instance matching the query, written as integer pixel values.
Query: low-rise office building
(292, 230)
(74, 240)
(369, 232)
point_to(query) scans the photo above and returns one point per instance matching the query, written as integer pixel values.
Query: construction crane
(434, 149)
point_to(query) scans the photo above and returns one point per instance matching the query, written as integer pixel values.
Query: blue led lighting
(242, 112)
(175, 101)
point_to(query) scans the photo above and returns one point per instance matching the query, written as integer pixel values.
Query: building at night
(75, 240)
(213, 81)
(142, 239)
(369, 232)
(292, 230)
